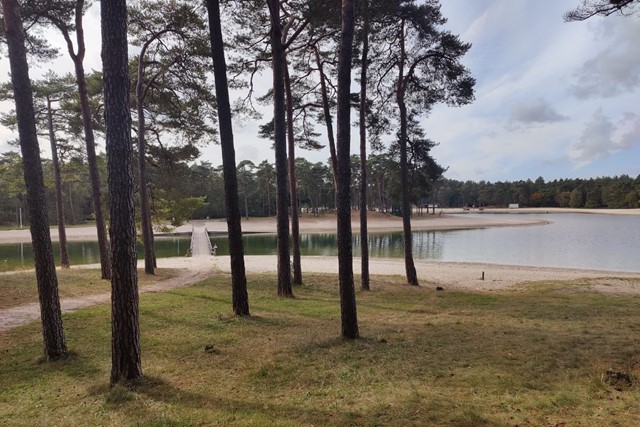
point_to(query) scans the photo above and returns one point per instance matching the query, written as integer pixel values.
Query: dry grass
(18, 288)
(529, 357)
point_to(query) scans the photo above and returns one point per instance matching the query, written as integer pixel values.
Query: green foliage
(605, 192)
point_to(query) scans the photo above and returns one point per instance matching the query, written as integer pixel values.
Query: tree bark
(240, 298)
(52, 330)
(327, 116)
(62, 231)
(125, 344)
(345, 257)
(280, 141)
(364, 236)
(145, 210)
(73, 212)
(293, 182)
(94, 175)
(412, 276)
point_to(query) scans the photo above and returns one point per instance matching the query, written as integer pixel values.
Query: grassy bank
(529, 357)
(20, 287)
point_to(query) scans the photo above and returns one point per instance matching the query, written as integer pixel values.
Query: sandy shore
(327, 223)
(308, 224)
(448, 275)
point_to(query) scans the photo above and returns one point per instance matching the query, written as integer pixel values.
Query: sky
(553, 99)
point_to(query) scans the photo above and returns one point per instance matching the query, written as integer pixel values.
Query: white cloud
(631, 134)
(596, 140)
(615, 68)
(535, 112)
(601, 137)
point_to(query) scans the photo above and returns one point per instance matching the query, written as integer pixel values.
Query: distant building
(514, 205)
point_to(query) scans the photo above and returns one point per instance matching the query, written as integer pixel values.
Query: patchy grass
(529, 357)
(20, 287)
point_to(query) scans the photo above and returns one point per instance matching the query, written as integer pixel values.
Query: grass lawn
(20, 287)
(528, 357)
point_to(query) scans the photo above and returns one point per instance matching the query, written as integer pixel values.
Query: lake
(583, 241)
(19, 256)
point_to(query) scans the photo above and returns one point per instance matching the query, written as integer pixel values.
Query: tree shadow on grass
(74, 365)
(137, 400)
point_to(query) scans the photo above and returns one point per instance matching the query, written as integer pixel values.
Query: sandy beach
(449, 219)
(448, 275)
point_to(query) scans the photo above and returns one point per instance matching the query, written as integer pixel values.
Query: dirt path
(190, 271)
(462, 276)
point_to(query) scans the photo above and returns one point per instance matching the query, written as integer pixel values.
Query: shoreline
(326, 223)
(451, 219)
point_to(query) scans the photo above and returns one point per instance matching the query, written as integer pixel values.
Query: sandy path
(453, 275)
(464, 276)
(190, 271)
(461, 276)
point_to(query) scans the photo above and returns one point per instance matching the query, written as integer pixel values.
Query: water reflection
(604, 242)
(20, 255)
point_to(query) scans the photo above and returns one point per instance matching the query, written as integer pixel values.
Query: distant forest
(196, 191)
(607, 192)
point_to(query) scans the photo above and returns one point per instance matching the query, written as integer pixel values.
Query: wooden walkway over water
(200, 242)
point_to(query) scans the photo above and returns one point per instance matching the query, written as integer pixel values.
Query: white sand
(461, 276)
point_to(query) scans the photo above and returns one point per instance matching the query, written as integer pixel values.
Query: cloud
(616, 68)
(631, 137)
(535, 112)
(601, 137)
(596, 140)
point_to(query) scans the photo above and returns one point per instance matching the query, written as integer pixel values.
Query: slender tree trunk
(125, 344)
(103, 242)
(52, 330)
(73, 212)
(364, 235)
(345, 258)
(284, 270)
(246, 205)
(412, 276)
(238, 276)
(62, 231)
(94, 175)
(145, 210)
(293, 182)
(327, 115)
(268, 199)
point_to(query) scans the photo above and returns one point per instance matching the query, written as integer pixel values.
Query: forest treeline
(198, 192)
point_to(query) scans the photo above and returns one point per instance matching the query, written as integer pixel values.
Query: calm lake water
(18, 256)
(588, 241)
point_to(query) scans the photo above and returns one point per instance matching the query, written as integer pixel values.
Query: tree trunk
(53, 333)
(240, 298)
(327, 116)
(73, 212)
(345, 257)
(125, 341)
(94, 175)
(412, 276)
(268, 199)
(246, 204)
(62, 232)
(145, 210)
(364, 237)
(293, 182)
(284, 270)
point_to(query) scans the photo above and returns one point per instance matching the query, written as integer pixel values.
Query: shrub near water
(529, 357)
